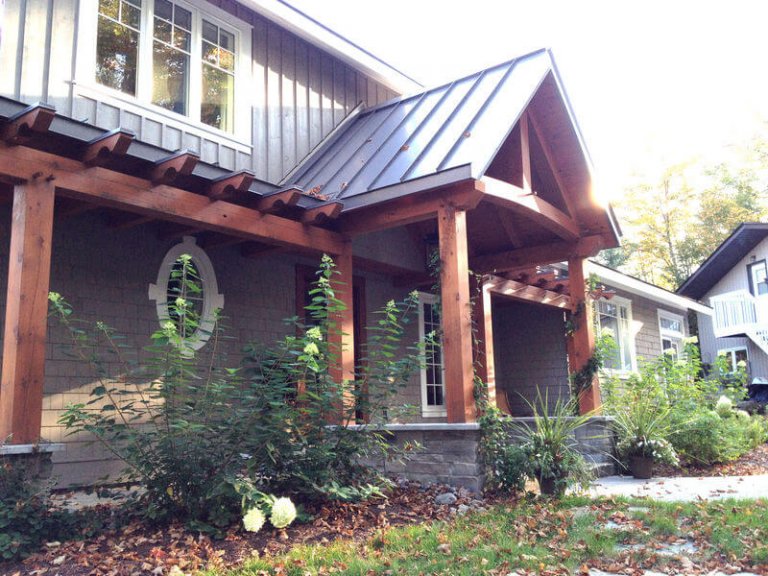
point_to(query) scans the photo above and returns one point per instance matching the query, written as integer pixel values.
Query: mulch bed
(138, 549)
(750, 464)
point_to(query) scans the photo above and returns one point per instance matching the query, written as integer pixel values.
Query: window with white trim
(615, 318)
(734, 356)
(204, 300)
(672, 331)
(171, 55)
(433, 370)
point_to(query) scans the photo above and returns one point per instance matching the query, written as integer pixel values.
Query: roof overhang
(319, 35)
(633, 285)
(725, 257)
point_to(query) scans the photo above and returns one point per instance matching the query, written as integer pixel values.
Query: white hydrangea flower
(724, 406)
(254, 520)
(283, 513)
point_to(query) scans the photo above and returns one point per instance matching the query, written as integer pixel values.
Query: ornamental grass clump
(211, 442)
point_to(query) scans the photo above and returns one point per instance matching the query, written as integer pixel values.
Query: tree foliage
(675, 219)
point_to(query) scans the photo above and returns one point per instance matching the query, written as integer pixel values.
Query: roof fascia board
(640, 288)
(319, 35)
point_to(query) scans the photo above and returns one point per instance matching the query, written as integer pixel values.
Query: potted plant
(642, 427)
(550, 445)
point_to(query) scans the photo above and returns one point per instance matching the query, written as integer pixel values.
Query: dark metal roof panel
(463, 123)
(725, 257)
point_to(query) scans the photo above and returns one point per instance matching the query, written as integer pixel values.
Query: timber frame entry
(41, 167)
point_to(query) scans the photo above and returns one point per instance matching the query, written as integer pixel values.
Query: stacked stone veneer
(450, 453)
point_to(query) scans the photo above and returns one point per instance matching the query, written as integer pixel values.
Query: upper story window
(615, 318)
(758, 278)
(672, 331)
(175, 56)
(432, 371)
(733, 357)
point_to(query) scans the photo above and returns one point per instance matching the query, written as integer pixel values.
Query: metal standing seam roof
(454, 130)
(726, 256)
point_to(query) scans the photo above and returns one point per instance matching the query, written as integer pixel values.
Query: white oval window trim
(212, 300)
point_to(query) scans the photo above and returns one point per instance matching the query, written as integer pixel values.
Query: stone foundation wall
(450, 453)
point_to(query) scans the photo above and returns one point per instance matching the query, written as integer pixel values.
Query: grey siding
(300, 93)
(530, 353)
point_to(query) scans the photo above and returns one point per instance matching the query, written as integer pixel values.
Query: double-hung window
(432, 371)
(672, 331)
(615, 319)
(174, 56)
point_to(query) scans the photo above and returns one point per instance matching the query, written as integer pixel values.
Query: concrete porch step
(603, 469)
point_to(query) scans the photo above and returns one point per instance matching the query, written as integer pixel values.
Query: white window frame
(667, 334)
(626, 303)
(212, 300)
(732, 353)
(85, 83)
(426, 410)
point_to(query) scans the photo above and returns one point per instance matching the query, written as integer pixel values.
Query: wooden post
(26, 312)
(581, 343)
(456, 314)
(341, 338)
(483, 349)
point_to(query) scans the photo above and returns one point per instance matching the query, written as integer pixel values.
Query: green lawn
(548, 538)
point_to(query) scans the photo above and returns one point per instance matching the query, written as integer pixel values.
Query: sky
(652, 83)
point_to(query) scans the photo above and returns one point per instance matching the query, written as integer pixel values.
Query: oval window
(187, 294)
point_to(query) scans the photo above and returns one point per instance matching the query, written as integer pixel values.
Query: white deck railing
(736, 313)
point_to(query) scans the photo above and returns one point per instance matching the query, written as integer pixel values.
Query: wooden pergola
(49, 176)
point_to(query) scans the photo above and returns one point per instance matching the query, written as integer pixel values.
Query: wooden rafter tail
(166, 170)
(322, 214)
(113, 144)
(231, 186)
(278, 201)
(35, 119)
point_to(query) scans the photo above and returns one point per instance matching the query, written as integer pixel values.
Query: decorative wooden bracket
(278, 201)
(112, 144)
(33, 120)
(231, 185)
(166, 170)
(323, 213)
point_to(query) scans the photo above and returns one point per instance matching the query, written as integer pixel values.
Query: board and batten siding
(734, 280)
(297, 93)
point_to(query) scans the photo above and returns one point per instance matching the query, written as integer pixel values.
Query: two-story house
(254, 139)
(734, 282)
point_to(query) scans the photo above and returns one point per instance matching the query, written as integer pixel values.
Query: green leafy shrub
(506, 463)
(669, 401)
(194, 432)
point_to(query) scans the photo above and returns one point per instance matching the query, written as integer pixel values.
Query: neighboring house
(733, 281)
(254, 139)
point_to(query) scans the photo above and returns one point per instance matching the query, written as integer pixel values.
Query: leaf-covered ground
(751, 463)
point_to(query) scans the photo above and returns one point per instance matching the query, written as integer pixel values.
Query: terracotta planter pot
(641, 467)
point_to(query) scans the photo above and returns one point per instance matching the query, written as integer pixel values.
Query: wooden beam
(523, 258)
(525, 150)
(112, 144)
(550, 158)
(509, 228)
(230, 186)
(530, 206)
(483, 353)
(113, 189)
(581, 340)
(166, 170)
(31, 121)
(456, 314)
(413, 208)
(279, 201)
(322, 214)
(26, 312)
(341, 337)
